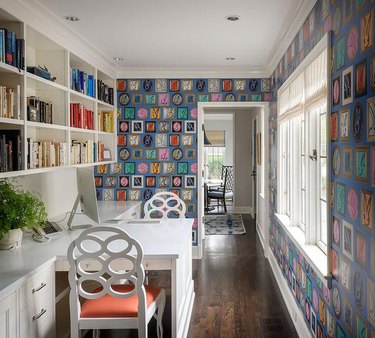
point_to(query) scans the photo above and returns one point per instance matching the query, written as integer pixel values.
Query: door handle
(253, 173)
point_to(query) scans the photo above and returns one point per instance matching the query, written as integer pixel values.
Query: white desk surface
(114, 209)
(159, 241)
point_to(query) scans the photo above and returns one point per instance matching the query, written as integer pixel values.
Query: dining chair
(226, 192)
(99, 258)
(165, 204)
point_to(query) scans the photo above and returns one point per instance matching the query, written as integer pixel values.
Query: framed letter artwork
(347, 85)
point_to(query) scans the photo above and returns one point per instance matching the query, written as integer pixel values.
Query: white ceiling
(182, 34)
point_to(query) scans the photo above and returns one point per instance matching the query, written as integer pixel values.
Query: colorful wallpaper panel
(157, 136)
(348, 308)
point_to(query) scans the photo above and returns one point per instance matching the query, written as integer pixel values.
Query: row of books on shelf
(82, 152)
(105, 93)
(39, 111)
(10, 150)
(12, 50)
(81, 117)
(82, 82)
(88, 151)
(105, 121)
(10, 102)
(43, 154)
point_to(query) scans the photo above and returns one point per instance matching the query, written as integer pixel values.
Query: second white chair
(165, 204)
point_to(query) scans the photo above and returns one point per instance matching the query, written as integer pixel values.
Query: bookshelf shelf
(83, 131)
(4, 120)
(46, 125)
(78, 95)
(37, 100)
(104, 105)
(5, 68)
(45, 83)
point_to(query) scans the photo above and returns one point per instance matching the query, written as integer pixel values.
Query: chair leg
(159, 315)
(96, 333)
(225, 206)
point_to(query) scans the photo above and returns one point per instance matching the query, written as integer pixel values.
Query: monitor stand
(72, 214)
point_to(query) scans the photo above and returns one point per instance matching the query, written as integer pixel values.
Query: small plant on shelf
(18, 210)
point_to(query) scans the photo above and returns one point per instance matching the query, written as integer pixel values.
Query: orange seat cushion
(109, 306)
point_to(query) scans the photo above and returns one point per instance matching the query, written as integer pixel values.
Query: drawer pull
(146, 265)
(42, 312)
(42, 285)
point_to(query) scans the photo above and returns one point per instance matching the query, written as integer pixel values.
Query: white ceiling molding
(186, 73)
(290, 29)
(34, 14)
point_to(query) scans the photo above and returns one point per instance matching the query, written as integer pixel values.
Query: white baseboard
(294, 312)
(197, 252)
(243, 210)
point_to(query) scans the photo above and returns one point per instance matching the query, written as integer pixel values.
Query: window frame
(308, 241)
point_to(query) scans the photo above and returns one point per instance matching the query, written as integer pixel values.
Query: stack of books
(43, 154)
(38, 110)
(81, 117)
(105, 121)
(105, 93)
(10, 102)
(82, 152)
(10, 150)
(82, 82)
(12, 50)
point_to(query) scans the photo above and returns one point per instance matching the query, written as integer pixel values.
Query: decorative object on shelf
(41, 71)
(18, 210)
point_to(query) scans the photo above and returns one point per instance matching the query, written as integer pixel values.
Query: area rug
(229, 224)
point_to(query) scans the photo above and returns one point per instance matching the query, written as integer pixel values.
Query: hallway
(236, 293)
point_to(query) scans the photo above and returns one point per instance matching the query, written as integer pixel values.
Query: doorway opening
(249, 152)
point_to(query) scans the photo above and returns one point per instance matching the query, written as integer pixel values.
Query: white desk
(166, 246)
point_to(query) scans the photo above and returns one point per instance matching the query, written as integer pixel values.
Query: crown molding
(291, 27)
(40, 18)
(186, 73)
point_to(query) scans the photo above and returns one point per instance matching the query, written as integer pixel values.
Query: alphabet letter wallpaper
(348, 308)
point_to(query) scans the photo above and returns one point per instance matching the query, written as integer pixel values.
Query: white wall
(58, 189)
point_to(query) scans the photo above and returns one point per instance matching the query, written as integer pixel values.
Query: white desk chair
(100, 255)
(165, 204)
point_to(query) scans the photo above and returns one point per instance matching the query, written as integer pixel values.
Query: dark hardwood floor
(236, 294)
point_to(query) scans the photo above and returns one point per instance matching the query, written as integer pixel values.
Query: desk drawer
(37, 289)
(37, 320)
(148, 264)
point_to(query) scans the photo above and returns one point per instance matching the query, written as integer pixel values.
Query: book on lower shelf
(82, 152)
(10, 150)
(10, 102)
(42, 154)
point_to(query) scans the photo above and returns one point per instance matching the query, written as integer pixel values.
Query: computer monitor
(86, 197)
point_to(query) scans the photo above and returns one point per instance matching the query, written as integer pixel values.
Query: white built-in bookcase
(42, 51)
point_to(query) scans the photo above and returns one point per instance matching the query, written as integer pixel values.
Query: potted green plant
(18, 210)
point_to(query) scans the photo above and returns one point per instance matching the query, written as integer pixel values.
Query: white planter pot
(11, 240)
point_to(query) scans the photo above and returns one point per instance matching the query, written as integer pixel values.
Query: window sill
(317, 259)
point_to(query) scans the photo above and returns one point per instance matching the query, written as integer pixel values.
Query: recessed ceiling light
(232, 17)
(71, 18)
(230, 58)
(117, 58)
